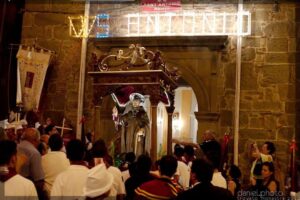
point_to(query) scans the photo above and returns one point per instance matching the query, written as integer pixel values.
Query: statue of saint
(135, 133)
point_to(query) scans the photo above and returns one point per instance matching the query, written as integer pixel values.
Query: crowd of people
(42, 166)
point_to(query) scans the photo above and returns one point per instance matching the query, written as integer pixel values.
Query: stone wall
(47, 26)
(269, 82)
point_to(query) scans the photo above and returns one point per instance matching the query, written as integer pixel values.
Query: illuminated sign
(167, 24)
(186, 24)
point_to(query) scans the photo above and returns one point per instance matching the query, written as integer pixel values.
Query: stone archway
(197, 60)
(199, 68)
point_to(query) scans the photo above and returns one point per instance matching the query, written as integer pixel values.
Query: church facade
(269, 82)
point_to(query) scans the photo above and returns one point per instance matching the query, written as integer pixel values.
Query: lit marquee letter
(103, 26)
(133, 24)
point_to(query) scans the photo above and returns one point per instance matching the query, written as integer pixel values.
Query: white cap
(98, 182)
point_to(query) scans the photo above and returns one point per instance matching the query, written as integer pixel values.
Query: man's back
(218, 180)
(161, 188)
(53, 164)
(70, 182)
(118, 186)
(206, 192)
(184, 174)
(18, 186)
(135, 181)
(32, 168)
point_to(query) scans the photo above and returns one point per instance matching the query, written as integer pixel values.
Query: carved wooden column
(97, 116)
(153, 151)
(170, 111)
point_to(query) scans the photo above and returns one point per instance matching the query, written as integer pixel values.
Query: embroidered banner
(32, 68)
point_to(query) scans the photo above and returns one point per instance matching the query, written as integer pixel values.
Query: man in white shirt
(118, 188)
(183, 170)
(14, 184)
(54, 162)
(70, 183)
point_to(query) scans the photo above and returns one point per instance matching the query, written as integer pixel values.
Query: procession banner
(32, 68)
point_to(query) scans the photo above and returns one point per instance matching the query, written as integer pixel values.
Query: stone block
(251, 95)
(230, 76)
(261, 50)
(267, 106)
(275, 74)
(280, 29)
(256, 28)
(223, 103)
(280, 58)
(244, 119)
(245, 105)
(61, 85)
(48, 32)
(279, 16)
(257, 122)
(243, 145)
(269, 93)
(248, 54)
(50, 19)
(291, 14)
(34, 5)
(285, 133)
(282, 147)
(54, 45)
(248, 77)
(270, 122)
(58, 101)
(261, 15)
(71, 106)
(256, 134)
(292, 43)
(260, 58)
(286, 91)
(28, 19)
(33, 32)
(72, 7)
(61, 33)
(56, 116)
(290, 107)
(290, 119)
(277, 44)
(226, 118)
(251, 42)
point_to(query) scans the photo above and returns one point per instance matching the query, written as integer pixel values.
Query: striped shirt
(158, 189)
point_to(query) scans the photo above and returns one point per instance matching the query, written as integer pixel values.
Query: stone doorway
(197, 59)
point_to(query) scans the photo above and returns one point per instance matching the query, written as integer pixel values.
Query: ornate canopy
(136, 70)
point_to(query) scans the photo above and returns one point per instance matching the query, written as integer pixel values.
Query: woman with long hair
(268, 174)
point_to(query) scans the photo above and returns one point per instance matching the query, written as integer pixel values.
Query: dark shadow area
(10, 33)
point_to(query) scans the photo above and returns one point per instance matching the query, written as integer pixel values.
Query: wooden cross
(63, 127)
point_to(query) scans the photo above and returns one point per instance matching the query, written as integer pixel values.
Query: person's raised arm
(255, 153)
(185, 143)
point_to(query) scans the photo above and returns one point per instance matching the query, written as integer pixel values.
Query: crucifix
(63, 127)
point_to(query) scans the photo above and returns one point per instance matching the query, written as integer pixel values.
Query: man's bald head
(209, 135)
(31, 135)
